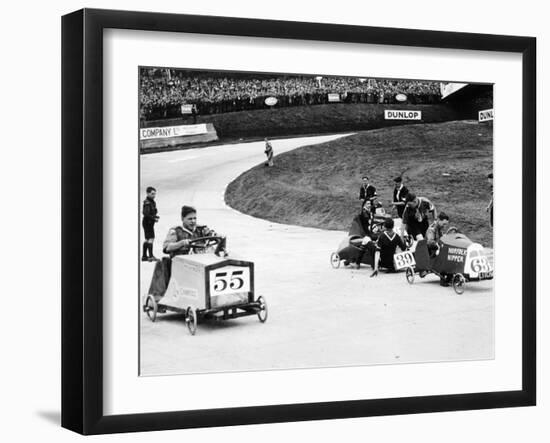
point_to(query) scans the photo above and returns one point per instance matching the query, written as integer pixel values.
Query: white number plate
(229, 280)
(404, 260)
(481, 265)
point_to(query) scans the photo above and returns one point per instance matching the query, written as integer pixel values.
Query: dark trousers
(148, 229)
(400, 210)
(368, 249)
(414, 228)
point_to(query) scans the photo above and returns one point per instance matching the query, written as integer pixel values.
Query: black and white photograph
(272, 222)
(301, 221)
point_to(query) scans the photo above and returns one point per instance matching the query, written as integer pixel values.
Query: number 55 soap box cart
(208, 286)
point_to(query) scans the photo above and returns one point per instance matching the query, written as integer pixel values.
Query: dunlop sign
(172, 131)
(485, 115)
(392, 114)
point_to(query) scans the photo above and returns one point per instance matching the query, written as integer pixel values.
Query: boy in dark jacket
(150, 217)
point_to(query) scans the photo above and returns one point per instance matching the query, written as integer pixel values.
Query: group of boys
(414, 212)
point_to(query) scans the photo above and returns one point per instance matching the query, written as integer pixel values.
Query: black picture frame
(82, 186)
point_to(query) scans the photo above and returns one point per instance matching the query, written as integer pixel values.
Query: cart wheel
(409, 273)
(151, 308)
(262, 314)
(458, 283)
(191, 320)
(335, 260)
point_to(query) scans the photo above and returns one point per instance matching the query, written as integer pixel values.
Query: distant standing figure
(150, 217)
(490, 205)
(194, 114)
(400, 193)
(367, 191)
(269, 153)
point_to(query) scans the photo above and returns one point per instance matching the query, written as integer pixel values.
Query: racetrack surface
(318, 316)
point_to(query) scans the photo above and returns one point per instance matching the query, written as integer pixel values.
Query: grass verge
(318, 185)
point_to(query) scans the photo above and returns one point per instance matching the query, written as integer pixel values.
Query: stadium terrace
(163, 91)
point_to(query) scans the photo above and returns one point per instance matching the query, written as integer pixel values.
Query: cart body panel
(206, 281)
(457, 255)
(349, 252)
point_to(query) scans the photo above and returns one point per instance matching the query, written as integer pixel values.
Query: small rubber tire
(151, 307)
(191, 320)
(409, 275)
(262, 313)
(458, 283)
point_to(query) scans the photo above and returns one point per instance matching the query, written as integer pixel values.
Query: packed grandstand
(163, 91)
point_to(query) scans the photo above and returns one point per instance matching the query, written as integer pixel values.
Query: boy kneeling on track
(386, 245)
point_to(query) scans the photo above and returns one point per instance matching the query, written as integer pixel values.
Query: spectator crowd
(162, 91)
